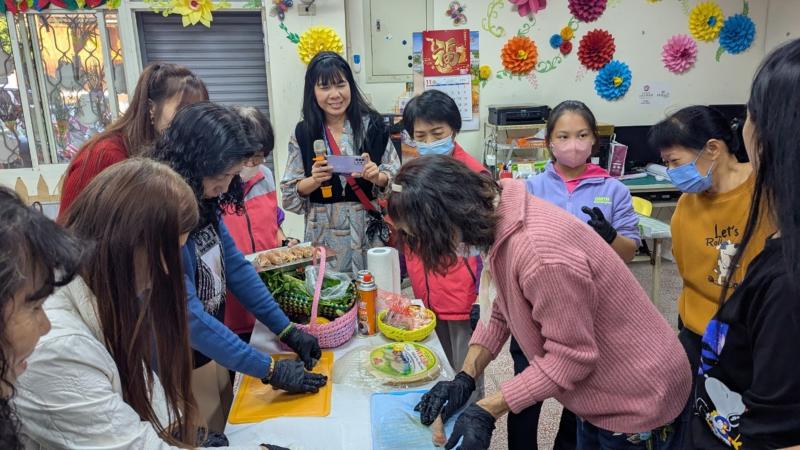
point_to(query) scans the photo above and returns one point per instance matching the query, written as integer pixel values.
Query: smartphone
(346, 164)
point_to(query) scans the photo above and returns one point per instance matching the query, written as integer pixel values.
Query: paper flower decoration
(528, 7)
(455, 11)
(556, 40)
(566, 48)
(519, 55)
(484, 72)
(705, 21)
(318, 39)
(613, 80)
(738, 34)
(279, 8)
(596, 49)
(195, 11)
(679, 53)
(587, 10)
(567, 33)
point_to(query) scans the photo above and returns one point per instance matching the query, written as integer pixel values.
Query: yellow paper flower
(194, 11)
(318, 39)
(567, 33)
(484, 72)
(705, 21)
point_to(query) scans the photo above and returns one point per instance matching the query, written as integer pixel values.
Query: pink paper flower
(587, 10)
(679, 53)
(528, 7)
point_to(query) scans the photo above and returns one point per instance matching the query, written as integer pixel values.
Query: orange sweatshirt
(706, 231)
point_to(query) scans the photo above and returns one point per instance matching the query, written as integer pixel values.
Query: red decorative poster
(445, 52)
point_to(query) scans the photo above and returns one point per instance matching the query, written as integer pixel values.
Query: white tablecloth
(347, 426)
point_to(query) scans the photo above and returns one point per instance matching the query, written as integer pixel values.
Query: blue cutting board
(395, 424)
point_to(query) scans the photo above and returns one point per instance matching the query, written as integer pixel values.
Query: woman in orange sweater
(161, 91)
(705, 159)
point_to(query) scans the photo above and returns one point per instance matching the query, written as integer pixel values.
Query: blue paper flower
(556, 40)
(738, 34)
(613, 80)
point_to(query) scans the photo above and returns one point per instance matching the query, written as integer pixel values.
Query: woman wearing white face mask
(258, 228)
(433, 120)
(589, 193)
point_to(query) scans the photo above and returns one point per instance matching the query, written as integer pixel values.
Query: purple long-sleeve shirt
(609, 194)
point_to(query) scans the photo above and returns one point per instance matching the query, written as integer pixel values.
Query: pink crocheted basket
(336, 332)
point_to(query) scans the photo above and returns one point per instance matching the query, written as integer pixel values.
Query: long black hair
(692, 127)
(328, 68)
(773, 112)
(204, 140)
(32, 247)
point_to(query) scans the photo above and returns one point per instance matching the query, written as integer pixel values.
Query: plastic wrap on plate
(388, 367)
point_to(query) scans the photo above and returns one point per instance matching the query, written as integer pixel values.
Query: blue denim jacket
(606, 193)
(210, 336)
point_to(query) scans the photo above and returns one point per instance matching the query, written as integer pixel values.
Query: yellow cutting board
(257, 401)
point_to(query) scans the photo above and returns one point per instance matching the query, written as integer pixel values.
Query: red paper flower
(587, 10)
(566, 48)
(596, 49)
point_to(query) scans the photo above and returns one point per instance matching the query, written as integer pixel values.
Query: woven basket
(336, 332)
(401, 335)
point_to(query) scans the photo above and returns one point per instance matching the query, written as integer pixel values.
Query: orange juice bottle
(367, 298)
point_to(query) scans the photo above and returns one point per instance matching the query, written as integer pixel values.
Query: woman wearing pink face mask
(589, 193)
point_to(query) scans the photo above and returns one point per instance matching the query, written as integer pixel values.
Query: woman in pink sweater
(594, 340)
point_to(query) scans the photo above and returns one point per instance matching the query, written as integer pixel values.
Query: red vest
(254, 231)
(451, 296)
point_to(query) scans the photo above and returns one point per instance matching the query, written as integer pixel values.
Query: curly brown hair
(442, 205)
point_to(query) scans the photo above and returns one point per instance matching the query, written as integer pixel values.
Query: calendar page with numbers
(459, 88)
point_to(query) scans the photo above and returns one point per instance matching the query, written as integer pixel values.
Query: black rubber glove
(273, 447)
(290, 375)
(474, 316)
(445, 398)
(305, 345)
(598, 221)
(475, 425)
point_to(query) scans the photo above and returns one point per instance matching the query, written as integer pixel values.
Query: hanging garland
(21, 6)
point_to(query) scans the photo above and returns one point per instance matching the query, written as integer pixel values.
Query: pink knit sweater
(594, 340)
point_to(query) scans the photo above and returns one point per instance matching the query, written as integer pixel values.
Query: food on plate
(283, 255)
(405, 315)
(404, 362)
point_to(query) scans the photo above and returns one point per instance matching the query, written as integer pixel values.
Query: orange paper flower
(519, 55)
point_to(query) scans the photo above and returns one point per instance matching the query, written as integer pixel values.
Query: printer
(518, 114)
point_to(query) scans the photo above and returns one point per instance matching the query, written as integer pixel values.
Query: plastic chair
(642, 207)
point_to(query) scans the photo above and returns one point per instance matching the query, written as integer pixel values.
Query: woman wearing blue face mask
(433, 120)
(705, 159)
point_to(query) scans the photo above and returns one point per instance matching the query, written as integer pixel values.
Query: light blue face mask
(688, 179)
(441, 147)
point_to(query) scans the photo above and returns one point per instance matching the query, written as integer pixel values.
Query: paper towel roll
(384, 264)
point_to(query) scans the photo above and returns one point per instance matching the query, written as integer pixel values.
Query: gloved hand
(474, 316)
(475, 425)
(273, 447)
(445, 398)
(290, 375)
(598, 221)
(305, 345)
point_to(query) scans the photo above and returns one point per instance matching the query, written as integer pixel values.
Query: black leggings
(523, 428)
